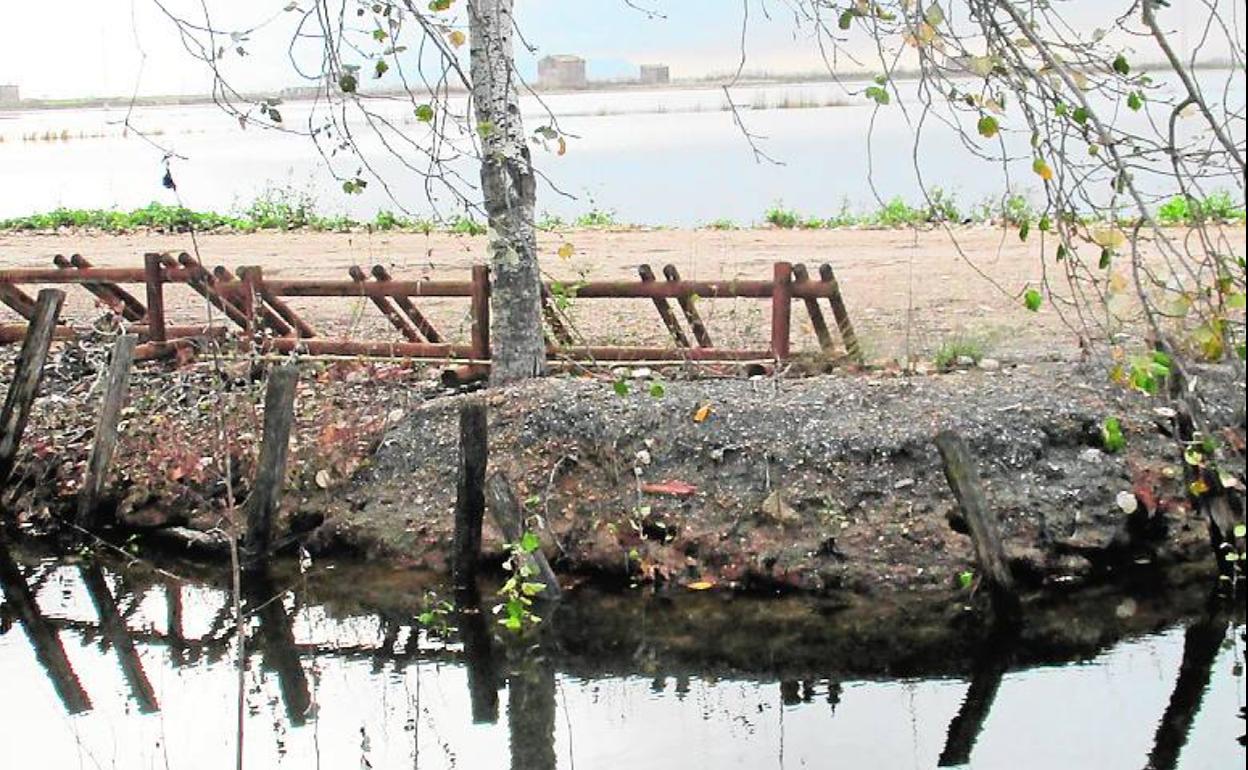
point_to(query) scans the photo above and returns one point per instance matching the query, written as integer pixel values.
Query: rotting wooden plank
(964, 480)
(27, 374)
(104, 442)
(266, 491)
(470, 492)
(509, 517)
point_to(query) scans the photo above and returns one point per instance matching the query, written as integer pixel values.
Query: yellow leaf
(563, 146)
(1109, 238)
(703, 412)
(566, 251)
(457, 38)
(1198, 487)
(701, 585)
(1042, 169)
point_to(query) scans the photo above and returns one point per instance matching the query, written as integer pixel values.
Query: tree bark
(509, 189)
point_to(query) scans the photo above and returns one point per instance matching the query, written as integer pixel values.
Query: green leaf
(1032, 300)
(1061, 252)
(988, 127)
(1235, 301)
(380, 68)
(1081, 115)
(620, 387)
(847, 18)
(1111, 436)
(1046, 224)
(878, 94)
(1135, 100)
(380, 35)
(424, 113)
(1121, 66)
(1106, 256)
(532, 589)
(530, 542)
(657, 390)
(965, 579)
(347, 82)
(1024, 230)
(1240, 530)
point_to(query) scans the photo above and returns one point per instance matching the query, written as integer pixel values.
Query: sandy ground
(907, 291)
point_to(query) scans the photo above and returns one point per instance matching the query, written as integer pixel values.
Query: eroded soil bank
(816, 484)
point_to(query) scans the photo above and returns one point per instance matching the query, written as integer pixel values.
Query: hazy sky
(92, 47)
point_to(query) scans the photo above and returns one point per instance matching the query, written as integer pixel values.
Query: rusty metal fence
(253, 308)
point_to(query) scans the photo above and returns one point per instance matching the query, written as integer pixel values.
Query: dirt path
(908, 291)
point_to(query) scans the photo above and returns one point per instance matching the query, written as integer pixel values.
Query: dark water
(108, 666)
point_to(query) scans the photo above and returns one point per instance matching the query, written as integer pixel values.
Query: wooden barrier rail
(254, 303)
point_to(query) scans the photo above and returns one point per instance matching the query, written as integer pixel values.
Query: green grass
(951, 350)
(1216, 207)
(596, 218)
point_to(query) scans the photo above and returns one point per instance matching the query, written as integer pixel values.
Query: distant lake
(667, 157)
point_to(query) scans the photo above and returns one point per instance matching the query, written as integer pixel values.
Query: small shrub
(778, 216)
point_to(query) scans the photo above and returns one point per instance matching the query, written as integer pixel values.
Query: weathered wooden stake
(817, 321)
(105, 441)
(531, 709)
(964, 480)
(27, 375)
(690, 310)
(508, 515)
(469, 493)
(266, 492)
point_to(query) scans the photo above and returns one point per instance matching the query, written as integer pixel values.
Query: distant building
(10, 94)
(561, 71)
(655, 74)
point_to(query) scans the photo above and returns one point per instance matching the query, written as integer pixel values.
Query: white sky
(96, 47)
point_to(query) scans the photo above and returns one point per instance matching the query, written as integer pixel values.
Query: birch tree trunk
(509, 189)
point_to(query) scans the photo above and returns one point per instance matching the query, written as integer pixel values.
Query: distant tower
(561, 71)
(655, 74)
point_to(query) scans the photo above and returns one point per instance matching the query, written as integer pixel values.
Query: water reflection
(340, 674)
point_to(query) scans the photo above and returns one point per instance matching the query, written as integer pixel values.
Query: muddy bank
(817, 485)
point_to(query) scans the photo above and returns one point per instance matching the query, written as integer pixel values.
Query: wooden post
(781, 309)
(841, 314)
(964, 480)
(665, 310)
(506, 510)
(27, 374)
(42, 635)
(469, 492)
(816, 313)
(266, 492)
(154, 278)
(105, 440)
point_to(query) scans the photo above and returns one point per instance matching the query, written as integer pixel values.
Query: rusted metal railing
(257, 306)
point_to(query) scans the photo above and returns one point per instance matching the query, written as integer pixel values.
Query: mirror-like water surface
(105, 668)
